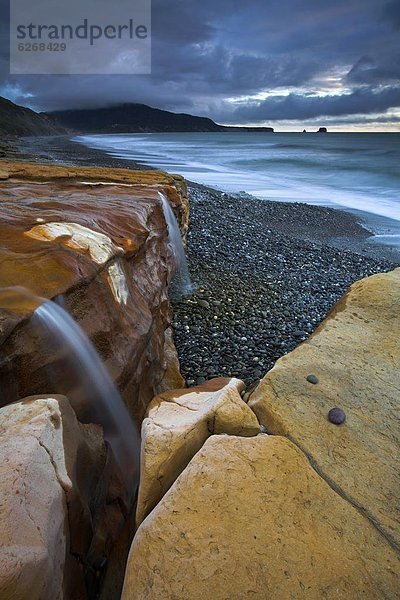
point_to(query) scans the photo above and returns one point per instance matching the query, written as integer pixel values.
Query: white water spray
(182, 282)
(82, 377)
(104, 404)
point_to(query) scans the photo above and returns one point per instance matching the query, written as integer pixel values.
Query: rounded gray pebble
(337, 416)
(203, 303)
(312, 379)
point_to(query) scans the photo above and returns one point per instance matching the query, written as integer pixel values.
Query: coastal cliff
(18, 120)
(102, 249)
(139, 118)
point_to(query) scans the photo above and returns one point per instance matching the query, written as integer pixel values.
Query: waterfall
(82, 377)
(182, 285)
(103, 402)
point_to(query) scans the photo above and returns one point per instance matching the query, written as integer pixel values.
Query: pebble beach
(266, 274)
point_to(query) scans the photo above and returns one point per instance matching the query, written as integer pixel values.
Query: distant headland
(122, 118)
(140, 118)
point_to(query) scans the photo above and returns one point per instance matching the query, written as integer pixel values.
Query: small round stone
(312, 379)
(203, 303)
(337, 416)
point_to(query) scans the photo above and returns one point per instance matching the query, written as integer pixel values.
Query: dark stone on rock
(200, 380)
(312, 379)
(337, 416)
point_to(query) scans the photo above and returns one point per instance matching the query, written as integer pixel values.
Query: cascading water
(105, 405)
(89, 386)
(182, 285)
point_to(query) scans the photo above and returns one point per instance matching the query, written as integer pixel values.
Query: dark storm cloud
(295, 106)
(366, 120)
(391, 12)
(205, 53)
(367, 71)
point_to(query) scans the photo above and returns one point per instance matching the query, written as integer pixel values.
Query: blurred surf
(354, 171)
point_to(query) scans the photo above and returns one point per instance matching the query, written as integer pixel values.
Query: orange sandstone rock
(97, 238)
(355, 357)
(250, 518)
(50, 469)
(178, 423)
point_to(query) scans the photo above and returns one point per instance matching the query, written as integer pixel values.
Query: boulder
(250, 518)
(352, 363)
(96, 240)
(50, 470)
(172, 378)
(177, 424)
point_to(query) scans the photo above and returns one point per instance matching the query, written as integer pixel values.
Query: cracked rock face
(355, 356)
(172, 376)
(178, 423)
(250, 518)
(97, 240)
(45, 522)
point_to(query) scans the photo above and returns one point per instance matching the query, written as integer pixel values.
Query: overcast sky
(286, 63)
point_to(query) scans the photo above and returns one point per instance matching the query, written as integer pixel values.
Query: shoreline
(385, 229)
(266, 272)
(356, 230)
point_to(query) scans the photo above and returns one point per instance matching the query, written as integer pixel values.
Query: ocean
(357, 172)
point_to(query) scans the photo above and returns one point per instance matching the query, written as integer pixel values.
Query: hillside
(138, 118)
(17, 120)
(123, 118)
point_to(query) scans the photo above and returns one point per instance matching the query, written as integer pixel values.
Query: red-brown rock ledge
(97, 239)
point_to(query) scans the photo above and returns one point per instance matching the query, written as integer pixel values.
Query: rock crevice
(176, 426)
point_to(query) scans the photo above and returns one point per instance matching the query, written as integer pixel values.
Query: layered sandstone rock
(172, 378)
(173, 185)
(178, 423)
(97, 240)
(50, 471)
(249, 517)
(355, 358)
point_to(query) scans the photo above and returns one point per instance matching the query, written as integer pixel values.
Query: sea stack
(322, 130)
